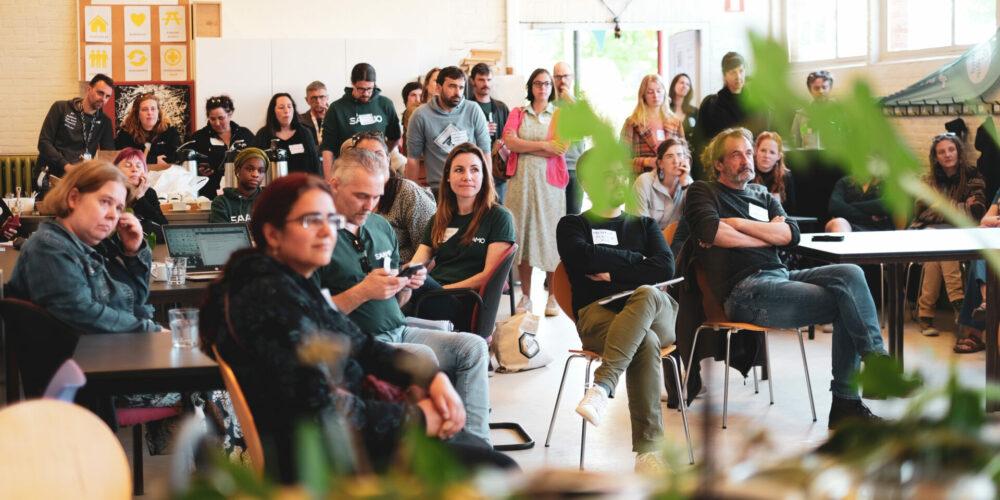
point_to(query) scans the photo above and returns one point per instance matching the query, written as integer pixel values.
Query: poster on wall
(175, 102)
(97, 24)
(138, 63)
(97, 60)
(173, 63)
(138, 27)
(173, 25)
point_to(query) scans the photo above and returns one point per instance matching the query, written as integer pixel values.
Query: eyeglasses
(562, 77)
(335, 222)
(541, 85)
(363, 90)
(366, 266)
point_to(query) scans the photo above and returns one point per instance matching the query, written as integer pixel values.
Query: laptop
(206, 246)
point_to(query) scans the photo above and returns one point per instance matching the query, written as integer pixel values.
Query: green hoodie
(348, 116)
(231, 207)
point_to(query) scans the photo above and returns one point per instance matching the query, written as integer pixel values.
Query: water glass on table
(184, 327)
(176, 270)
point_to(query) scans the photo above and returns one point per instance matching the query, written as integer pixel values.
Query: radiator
(16, 171)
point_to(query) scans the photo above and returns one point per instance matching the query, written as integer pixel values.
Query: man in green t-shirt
(363, 279)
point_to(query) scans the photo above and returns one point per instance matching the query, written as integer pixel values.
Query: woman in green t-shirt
(467, 236)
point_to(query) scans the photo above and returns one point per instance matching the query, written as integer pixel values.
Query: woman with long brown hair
(467, 236)
(147, 129)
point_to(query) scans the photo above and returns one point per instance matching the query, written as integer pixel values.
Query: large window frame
(786, 12)
(902, 55)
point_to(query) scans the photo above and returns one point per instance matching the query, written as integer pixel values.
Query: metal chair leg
(137, 486)
(756, 390)
(725, 397)
(583, 424)
(510, 286)
(555, 409)
(690, 363)
(684, 418)
(805, 366)
(770, 374)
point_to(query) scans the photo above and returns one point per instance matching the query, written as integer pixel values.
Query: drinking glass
(184, 327)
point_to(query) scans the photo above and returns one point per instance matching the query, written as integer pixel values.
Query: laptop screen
(207, 246)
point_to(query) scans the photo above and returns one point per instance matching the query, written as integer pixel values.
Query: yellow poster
(173, 23)
(97, 24)
(137, 24)
(97, 59)
(173, 63)
(138, 63)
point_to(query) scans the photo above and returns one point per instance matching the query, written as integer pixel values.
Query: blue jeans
(464, 357)
(973, 298)
(835, 294)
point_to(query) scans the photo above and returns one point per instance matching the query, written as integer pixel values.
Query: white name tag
(604, 237)
(366, 119)
(459, 137)
(660, 135)
(758, 213)
(296, 149)
(215, 141)
(448, 233)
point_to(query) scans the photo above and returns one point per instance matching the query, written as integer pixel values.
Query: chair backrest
(68, 379)
(669, 232)
(54, 449)
(561, 289)
(40, 343)
(491, 291)
(709, 304)
(242, 409)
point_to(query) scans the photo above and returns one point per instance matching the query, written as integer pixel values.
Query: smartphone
(828, 237)
(408, 271)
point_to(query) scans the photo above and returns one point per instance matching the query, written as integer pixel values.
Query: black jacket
(207, 142)
(147, 210)
(165, 144)
(302, 157)
(61, 139)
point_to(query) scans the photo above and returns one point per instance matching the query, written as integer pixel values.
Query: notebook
(662, 284)
(206, 246)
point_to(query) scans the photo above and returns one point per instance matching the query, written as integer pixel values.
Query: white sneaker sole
(589, 415)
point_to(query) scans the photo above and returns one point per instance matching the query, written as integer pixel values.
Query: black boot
(849, 409)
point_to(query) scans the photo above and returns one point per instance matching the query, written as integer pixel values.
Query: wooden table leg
(991, 334)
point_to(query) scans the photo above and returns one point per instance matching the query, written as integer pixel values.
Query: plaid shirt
(642, 139)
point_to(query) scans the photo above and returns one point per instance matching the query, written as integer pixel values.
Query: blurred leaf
(965, 411)
(882, 376)
(313, 464)
(605, 169)
(431, 464)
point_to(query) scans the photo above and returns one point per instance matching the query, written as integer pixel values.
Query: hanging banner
(173, 25)
(173, 63)
(138, 63)
(138, 26)
(97, 24)
(97, 59)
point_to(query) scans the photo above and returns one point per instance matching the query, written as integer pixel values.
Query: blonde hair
(86, 177)
(639, 115)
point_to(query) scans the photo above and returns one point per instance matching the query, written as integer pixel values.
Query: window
(928, 24)
(820, 31)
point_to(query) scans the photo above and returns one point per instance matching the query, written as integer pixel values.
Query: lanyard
(319, 129)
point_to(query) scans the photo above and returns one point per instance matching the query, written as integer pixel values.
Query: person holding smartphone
(466, 238)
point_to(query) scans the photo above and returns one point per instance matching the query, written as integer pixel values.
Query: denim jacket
(72, 281)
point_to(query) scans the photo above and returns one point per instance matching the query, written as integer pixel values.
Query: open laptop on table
(206, 246)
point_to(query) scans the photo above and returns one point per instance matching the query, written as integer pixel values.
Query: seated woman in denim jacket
(60, 270)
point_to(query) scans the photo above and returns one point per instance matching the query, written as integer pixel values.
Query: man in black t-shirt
(495, 111)
(739, 227)
(606, 251)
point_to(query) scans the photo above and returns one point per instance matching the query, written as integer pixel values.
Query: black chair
(37, 342)
(484, 317)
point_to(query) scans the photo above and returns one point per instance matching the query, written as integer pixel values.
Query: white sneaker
(552, 306)
(592, 405)
(649, 463)
(524, 305)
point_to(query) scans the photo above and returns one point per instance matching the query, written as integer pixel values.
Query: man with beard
(495, 110)
(235, 204)
(738, 227)
(441, 124)
(607, 251)
(319, 100)
(362, 108)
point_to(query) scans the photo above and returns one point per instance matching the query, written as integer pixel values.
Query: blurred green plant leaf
(605, 169)
(882, 376)
(314, 466)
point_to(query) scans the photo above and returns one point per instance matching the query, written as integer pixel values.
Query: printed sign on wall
(173, 27)
(138, 63)
(137, 25)
(97, 59)
(173, 62)
(97, 24)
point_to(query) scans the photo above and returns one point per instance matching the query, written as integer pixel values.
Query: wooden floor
(783, 429)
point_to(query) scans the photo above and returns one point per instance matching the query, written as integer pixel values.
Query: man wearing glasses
(363, 278)
(362, 108)
(319, 100)
(562, 76)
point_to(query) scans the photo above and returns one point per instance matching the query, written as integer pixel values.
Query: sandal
(969, 345)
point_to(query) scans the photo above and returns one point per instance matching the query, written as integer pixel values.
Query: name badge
(366, 119)
(660, 135)
(215, 141)
(449, 232)
(758, 213)
(296, 149)
(459, 137)
(604, 237)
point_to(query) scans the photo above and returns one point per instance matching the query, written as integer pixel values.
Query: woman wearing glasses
(146, 129)
(266, 313)
(536, 189)
(214, 139)
(963, 186)
(659, 194)
(651, 123)
(283, 126)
